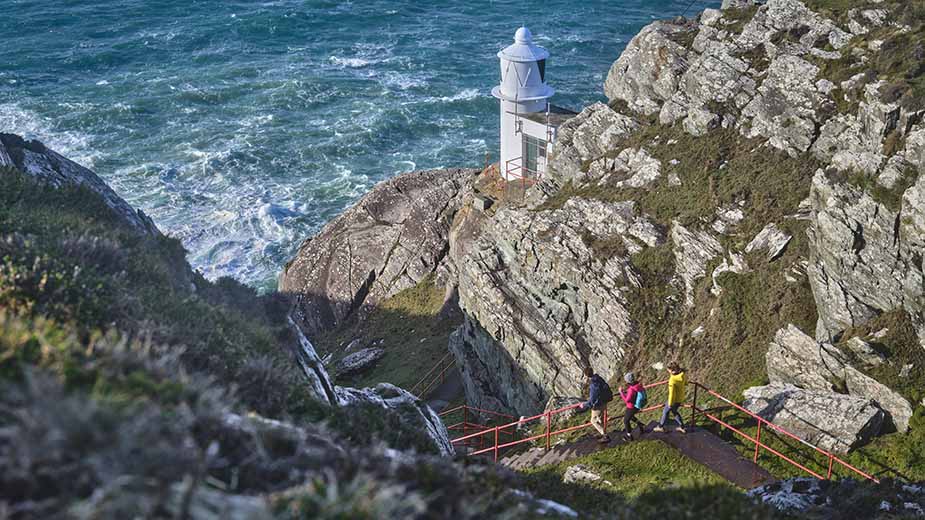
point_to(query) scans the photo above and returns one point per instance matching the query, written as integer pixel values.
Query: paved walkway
(699, 445)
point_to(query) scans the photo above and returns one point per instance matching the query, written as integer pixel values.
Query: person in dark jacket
(598, 390)
(629, 398)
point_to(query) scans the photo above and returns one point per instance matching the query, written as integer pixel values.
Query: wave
(353, 63)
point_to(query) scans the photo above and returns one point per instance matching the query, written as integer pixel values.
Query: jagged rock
(541, 303)
(319, 382)
(693, 251)
(393, 238)
(33, 158)
(642, 168)
(649, 70)
(734, 263)
(770, 239)
(727, 218)
(863, 255)
(579, 473)
(586, 137)
(787, 106)
(854, 143)
(413, 413)
(834, 422)
(797, 359)
(359, 360)
(736, 4)
(864, 352)
(817, 499)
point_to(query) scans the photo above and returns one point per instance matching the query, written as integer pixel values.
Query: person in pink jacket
(630, 397)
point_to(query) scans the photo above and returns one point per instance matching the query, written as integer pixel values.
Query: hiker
(635, 399)
(599, 395)
(677, 383)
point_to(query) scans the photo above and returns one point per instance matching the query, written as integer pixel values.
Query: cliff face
(390, 240)
(757, 170)
(814, 149)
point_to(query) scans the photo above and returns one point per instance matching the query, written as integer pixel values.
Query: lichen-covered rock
(823, 499)
(582, 474)
(797, 359)
(33, 158)
(865, 352)
(864, 255)
(393, 238)
(787, 106)
(411, 412)
(834, 422)
(650, 68)
(693, 251)
(770, 239)
(359, 361)
(586, 137)
(541, 303)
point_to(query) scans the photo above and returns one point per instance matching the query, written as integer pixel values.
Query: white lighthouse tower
(526, 130)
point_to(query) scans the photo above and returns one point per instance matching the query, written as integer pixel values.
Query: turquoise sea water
(242, 127)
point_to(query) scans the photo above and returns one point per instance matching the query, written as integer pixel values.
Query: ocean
(242, 127)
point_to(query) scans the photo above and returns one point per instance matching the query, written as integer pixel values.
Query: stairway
(699, 445)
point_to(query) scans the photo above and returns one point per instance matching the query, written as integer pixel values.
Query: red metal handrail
(469, 439)
(425, 385)
(768, 424)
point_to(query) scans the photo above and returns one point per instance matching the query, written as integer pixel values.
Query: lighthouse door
(534, 155)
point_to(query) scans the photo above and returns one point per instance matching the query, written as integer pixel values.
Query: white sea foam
(353, 63)
(72, 144)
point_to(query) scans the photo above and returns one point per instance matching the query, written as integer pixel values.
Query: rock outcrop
(393, 238)
(359, 361)
(541, 304)
(408, 410)
(832, 422)
(797, 359)
(812, 498)
(35, 159)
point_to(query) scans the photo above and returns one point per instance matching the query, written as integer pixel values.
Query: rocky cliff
(757, 170)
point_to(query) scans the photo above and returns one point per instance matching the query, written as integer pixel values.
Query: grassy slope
(648, 477)
(413, 329)
(66, 257)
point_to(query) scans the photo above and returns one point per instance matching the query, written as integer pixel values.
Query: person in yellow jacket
(677, 382)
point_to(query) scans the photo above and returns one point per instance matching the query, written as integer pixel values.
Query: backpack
(606, 394)
(641, 399)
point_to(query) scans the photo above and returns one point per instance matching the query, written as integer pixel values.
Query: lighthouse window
(542, 65)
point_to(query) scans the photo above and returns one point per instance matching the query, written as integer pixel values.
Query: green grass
(411, 327)
(716, 170)
(66, 257)
(648, 477)
(736, 19)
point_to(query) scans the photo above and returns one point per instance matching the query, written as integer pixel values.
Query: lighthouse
(528, 120)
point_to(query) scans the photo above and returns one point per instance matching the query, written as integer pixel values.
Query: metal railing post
(828, 475)
(694, 406)
(605, 421)
(548, 429)
(757, 443)
(496, 444)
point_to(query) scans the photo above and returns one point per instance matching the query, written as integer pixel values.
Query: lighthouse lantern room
(528, 120)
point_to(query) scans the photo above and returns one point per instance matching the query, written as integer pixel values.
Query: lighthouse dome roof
(523, 48)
